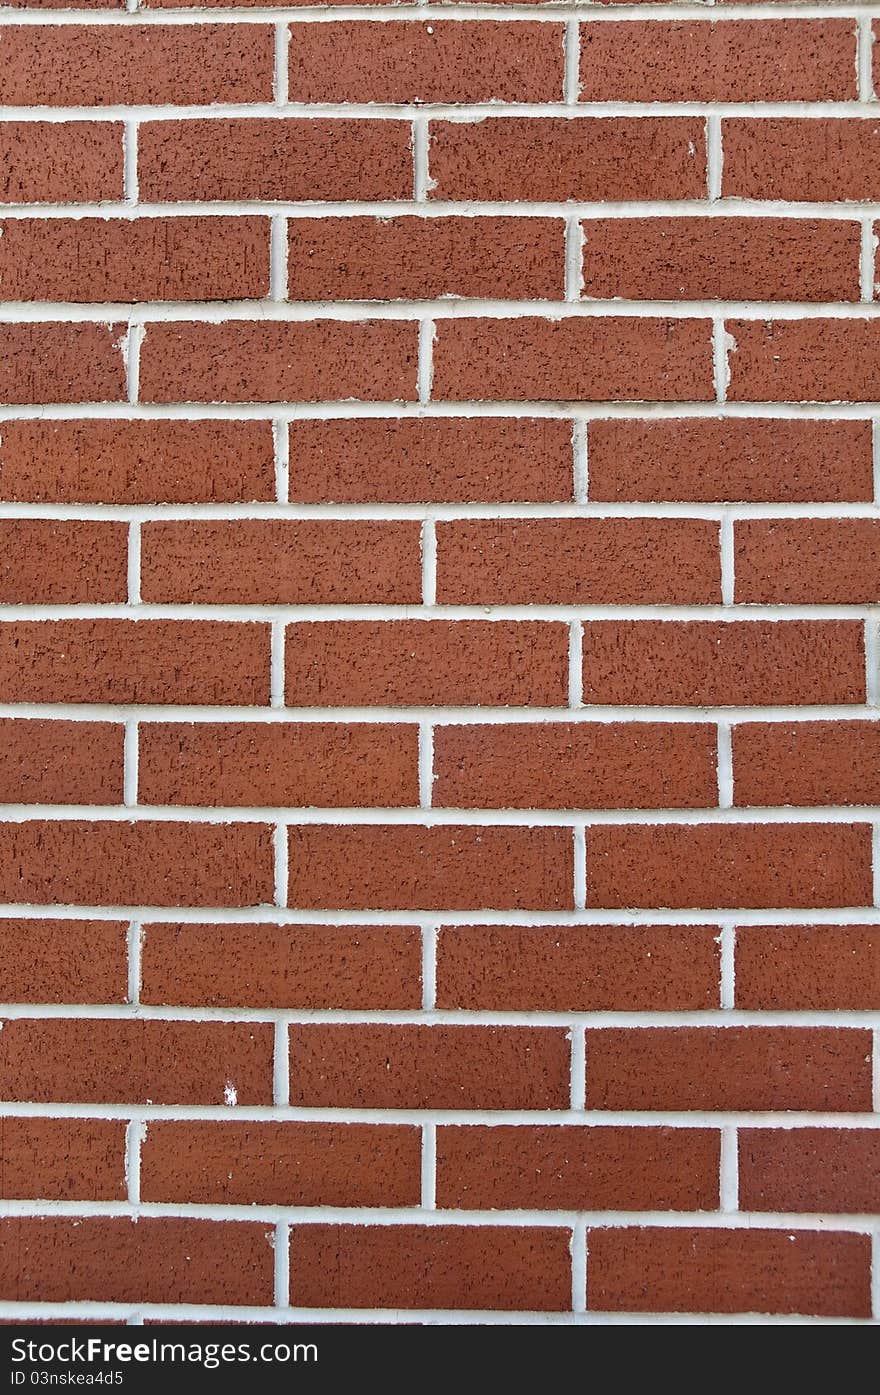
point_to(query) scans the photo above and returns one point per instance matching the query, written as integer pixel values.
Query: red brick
(405, 866)
(806, 763)
(576, 765)
(426, 258)
(241, 361)
(46, 560)
(379, 1067)
(723, 663)
(48, 762)
(546, 159)
(804, 360)
(110, 1259)
(720, 258)
(789, 60)
(143, 661)
(459, 61)
(568, 561)
(64, 961)
(279, 765)
(282, 562)
(764, 865)
(729, 1068)
(96, 259)
(574, 1169)
(822, 968)
(46, 362)
(60, 162)
(808, 560)
(62, 1159)
(136, 64)
(502, 1268)
(264, 158)
(73, 862)
(137, 462)
(361, 967)
(801, 159)
(455, 460)
(666, 1270)
(704, 459)
(799, 1170)
(109, 1061)
(603, 359)
(285, 1164)
(417, 662)
(584, 968)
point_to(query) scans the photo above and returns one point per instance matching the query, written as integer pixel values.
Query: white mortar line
(282, 47)
(875, 1276)
(875, 1070)
(281, 443)
(864, 41)
(130, 162)
(580, 449)
(425, 374)
(725, 766)
(575, 665)
(714, 157)
(281, 1065)
(720, 364)
(130, 764)
(727, 945)
(578, 1069)
(551, 13)
(278, 258)
(574, 259)
(728, 560)
(430, 936)
(429, 1167)
(279, 843)
(428, 542)
(276, 664)
(133, 570)
(866, 261)
(426, 765)
(571, 45)
(267, 613)
(429, 111)
(729, 1180)
(134, 941)
(135, 1133)
(420, 150)
(131, 351)
(875, 861)
(579, 1267)
(281, 1249)
(580, 866)
(872, 663)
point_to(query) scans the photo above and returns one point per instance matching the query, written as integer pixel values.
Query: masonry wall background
(439, 583)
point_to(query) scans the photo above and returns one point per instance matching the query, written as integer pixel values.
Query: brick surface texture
(440, 662)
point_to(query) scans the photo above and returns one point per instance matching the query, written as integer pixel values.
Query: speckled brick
(144, 661)
(282, 562)
(729, 1068)
(361, 967)
(723, 663)
(557, 158)
(453, 459)
(135, 64)
(593, 360)
(63, 961)
(55, 362)
(58, 762)
(575, 765)
(725, 865)
(410, 62)
(339, 663)
(824, 968)
(820, 360)
(250, 361)
(109, 1259)
(806, 763)
(560, 1168)
(281, 1164)
(122, 259)
(608, 561)
(409, 1266)
(835, 159)
(584, 968)
(827, 561)
(76, 863)
(49, 560)
(720, 258)
(404, 1067)
(800, 1170)
(60, 162)
(790, 60)
(62, 1159)
(407, 867)
(280, 765)
(664, 1270)
(260, 158)
(426, 258)
(113, 1061)
(136, 462)
(701, 460)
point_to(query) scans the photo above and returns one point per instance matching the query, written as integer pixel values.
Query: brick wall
(439, 733)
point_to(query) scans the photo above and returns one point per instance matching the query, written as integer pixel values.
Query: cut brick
(53, 362)
(45, 561)
(804, 360)
(806, 763)
(825, 968)
(799, 1170)
(62, 1159)
(63, 961)
(834, 561)
(60, 162)
(801, 159)
(46, 762)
